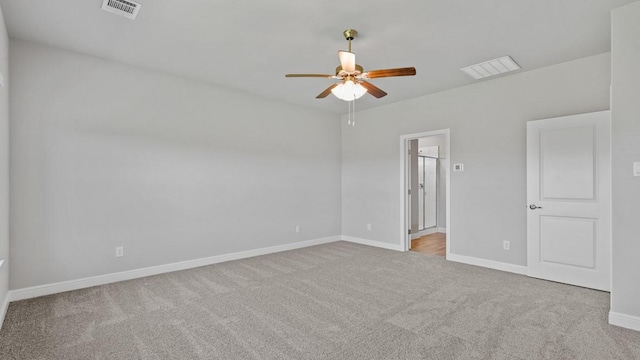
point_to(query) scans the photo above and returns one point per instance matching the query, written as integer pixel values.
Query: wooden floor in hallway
(434, 244)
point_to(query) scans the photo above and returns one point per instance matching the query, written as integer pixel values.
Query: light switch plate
(458, 167)
(636, 169)
(1, 80)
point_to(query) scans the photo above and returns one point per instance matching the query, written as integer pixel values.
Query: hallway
(434, 244)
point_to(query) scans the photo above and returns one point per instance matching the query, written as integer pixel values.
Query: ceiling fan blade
(347, 61)
(373, 90)
(310, 75)
(408, 71)
(327, 91)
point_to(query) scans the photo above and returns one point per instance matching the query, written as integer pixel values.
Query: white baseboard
(624, 320)
(425, 232)
(4, 306)
(48, 289)
(373, 243)
(497, 265)
(428, 232)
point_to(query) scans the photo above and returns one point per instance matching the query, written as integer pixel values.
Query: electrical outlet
(506, 245)
(368, 227)
(298, 229)
(119, 251)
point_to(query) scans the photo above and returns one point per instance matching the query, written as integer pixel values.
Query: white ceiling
(250, 45)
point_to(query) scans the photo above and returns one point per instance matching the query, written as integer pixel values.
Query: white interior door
(568, 196)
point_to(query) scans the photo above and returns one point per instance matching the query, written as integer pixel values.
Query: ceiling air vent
(128, 9)
(491, 68)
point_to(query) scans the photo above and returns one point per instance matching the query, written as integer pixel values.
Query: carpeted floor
(334, 301)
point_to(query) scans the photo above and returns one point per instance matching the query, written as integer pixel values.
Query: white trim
(624, 320)
(424, 232)
(5, 302)
(610, 214)
(405, 241)
(428, 231)
(491, 264)
(3, 309)
(48, 289)
(373, 243)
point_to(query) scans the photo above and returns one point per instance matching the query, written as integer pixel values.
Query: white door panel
(569, 241)
(567, 163)
(568, 188)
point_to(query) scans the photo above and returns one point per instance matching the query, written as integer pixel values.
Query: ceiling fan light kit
(349, 90)
(353, 84)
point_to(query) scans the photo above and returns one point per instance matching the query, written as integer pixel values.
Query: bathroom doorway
(426, 192)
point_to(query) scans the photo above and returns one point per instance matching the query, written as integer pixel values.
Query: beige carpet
(334, 301)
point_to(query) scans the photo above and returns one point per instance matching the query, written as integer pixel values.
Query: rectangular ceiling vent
(128, 9)
(491, 68)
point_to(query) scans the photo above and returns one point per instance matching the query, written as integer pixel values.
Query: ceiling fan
(353, 82)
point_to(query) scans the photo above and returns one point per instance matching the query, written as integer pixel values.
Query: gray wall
(4, 161)
(488, 128)
(625, 55)
(172, 169)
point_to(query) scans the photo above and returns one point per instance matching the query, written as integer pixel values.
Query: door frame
(405, 211)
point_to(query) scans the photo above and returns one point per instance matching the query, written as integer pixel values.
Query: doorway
(426, 192)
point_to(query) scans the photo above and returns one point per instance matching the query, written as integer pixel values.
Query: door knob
(533, 207)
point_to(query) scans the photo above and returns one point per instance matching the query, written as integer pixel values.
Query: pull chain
(351, 109)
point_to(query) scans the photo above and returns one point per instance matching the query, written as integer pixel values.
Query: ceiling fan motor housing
(359, 70)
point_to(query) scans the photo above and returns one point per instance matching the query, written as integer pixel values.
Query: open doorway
(425, 189)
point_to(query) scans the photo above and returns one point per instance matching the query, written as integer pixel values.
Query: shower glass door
(427, 196)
